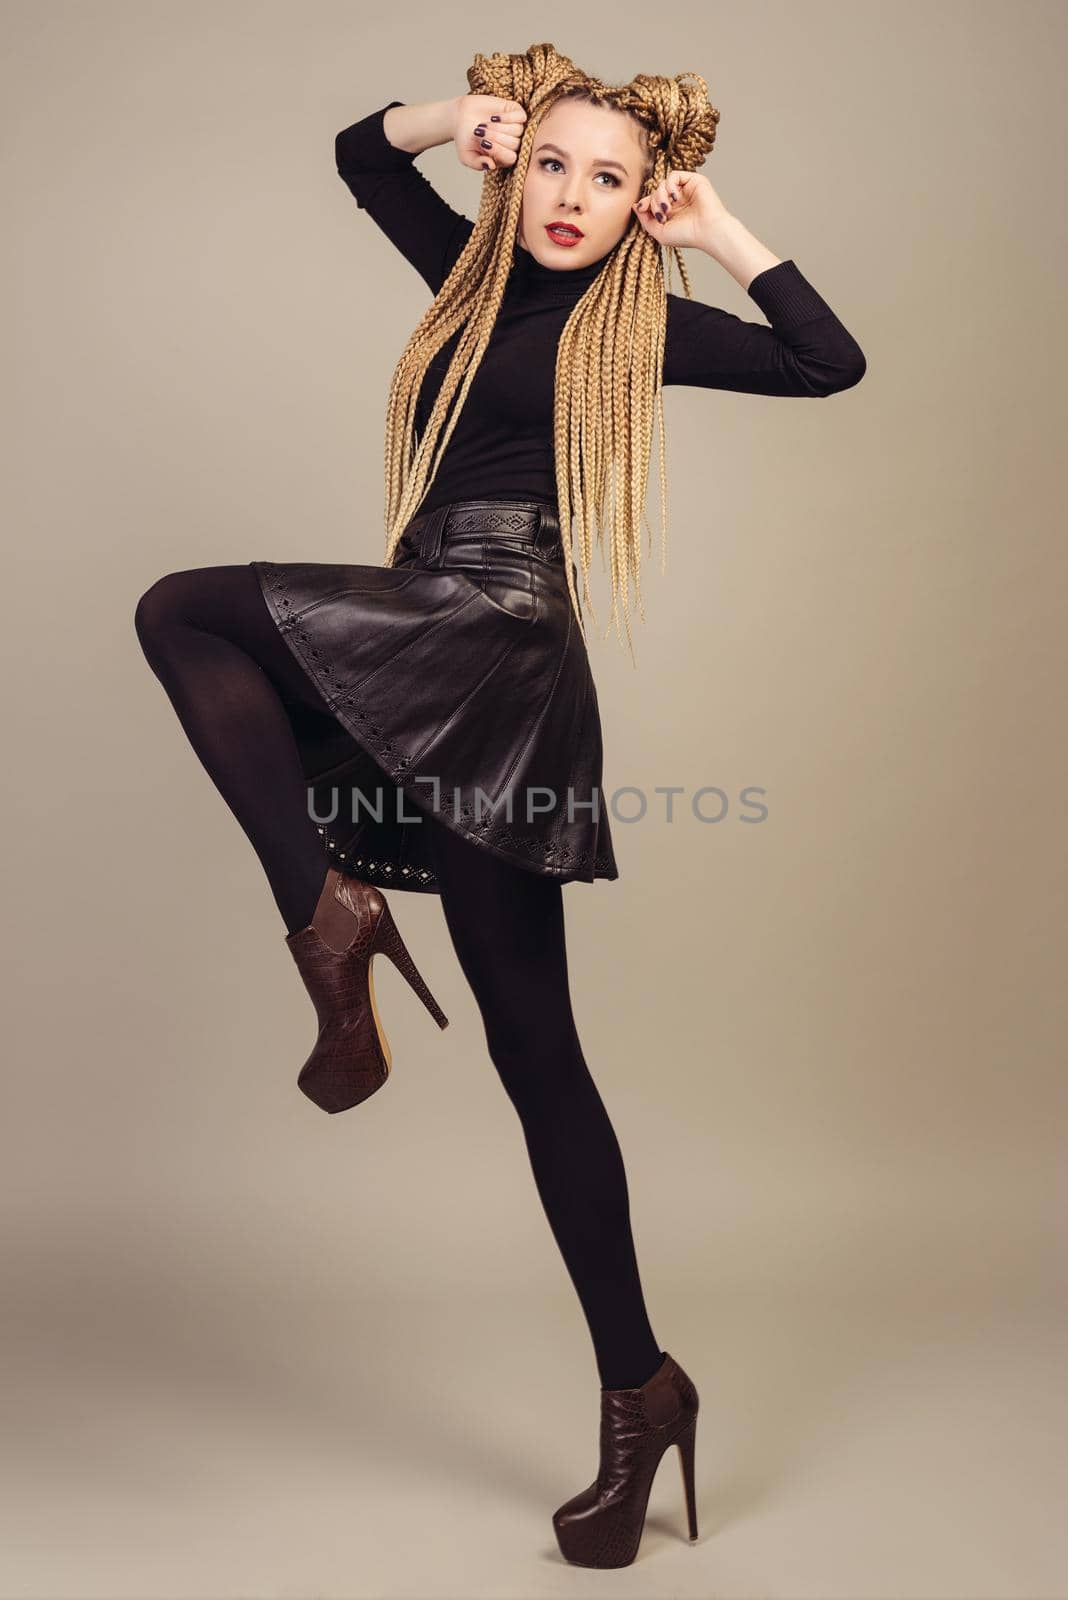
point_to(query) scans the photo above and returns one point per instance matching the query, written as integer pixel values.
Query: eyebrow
(566, 157)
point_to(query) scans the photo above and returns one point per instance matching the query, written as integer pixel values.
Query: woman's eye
(614, 182)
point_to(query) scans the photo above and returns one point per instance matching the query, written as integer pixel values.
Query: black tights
(239, 695)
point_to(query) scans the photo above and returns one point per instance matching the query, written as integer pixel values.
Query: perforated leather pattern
(487, 522)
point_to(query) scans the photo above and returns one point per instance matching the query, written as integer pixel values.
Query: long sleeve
(805, 350)
(386, 183)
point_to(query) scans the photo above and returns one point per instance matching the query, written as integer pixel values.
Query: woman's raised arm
(386, 183)
(805, 351)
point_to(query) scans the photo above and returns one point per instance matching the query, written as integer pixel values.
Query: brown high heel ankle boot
(602, 1526)
(350, 925)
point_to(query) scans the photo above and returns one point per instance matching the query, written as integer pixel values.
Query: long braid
(608, 392)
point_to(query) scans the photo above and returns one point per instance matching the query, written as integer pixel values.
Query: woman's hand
(683, 209)
(488, 131)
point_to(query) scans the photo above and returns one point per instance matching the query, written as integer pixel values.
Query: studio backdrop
(252, 1349)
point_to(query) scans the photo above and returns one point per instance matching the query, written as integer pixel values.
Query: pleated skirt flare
(461, 689)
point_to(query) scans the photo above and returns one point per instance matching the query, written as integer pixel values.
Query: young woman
(430, 723)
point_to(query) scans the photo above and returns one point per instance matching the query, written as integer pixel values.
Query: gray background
(251, 1350)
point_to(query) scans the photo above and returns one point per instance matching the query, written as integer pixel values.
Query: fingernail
(487, 144)
(481, 128)
(495, 119)
(485, 166)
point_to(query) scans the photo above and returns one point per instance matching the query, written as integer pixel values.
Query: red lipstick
(564, 233)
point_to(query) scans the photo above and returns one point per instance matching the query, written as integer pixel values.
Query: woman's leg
(239, 695)
(507, 927)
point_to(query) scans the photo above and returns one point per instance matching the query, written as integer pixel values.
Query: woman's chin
(559, 256)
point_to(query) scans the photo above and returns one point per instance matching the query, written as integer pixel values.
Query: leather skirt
(464, 690)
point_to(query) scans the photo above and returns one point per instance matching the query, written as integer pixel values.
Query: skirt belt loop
(547, 535)
(430, 539)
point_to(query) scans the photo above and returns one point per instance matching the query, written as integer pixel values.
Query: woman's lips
(565, 238)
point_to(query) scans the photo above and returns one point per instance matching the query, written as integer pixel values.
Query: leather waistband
(524, 525)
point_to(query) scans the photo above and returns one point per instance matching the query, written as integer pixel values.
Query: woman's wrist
(737, 250)
(418, 128)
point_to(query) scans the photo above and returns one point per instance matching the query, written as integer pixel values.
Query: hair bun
(541, 72)
(679, 115)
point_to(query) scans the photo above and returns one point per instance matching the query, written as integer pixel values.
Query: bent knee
(162, 604)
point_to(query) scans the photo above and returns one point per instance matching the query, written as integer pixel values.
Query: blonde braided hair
(609, 364)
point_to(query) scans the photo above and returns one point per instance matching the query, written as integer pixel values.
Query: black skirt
(464, 686)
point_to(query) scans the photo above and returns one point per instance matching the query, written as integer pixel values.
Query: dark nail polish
(487, 144)
(495, 119)
(481, 128)
(485, 166)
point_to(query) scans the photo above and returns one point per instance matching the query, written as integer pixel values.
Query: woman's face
(586, 169)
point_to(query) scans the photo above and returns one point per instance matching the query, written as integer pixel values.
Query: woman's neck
(532, 276)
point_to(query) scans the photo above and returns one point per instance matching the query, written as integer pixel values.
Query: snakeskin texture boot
(350, 925)
(602, 1526)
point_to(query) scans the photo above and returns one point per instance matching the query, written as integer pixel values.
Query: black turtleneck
(503, 441)
(532, 277)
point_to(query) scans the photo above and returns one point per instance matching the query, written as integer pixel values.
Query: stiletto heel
(602, 1526)
(351, 1058)
(685, 1442)
(390, 943)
